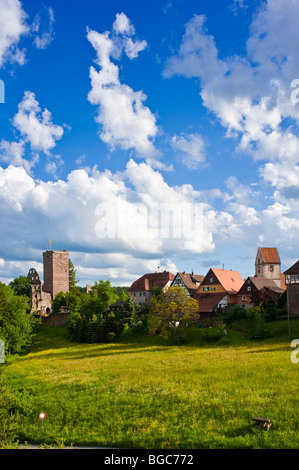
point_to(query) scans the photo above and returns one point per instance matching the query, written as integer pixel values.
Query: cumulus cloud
(124, 120)
(190, 149)
(13, 25)
(36, 127)
(250, 95)
(145, 215)
(120, 225)
(37, 133)
(14, 152)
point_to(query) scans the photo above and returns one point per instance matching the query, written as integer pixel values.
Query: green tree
(105, 293)
(16, 325)
(68, 299)
(172, 313)
(235, 313)
(21, 285)
(258, 328)
(126, 317)
(127, 313)
(72, 278)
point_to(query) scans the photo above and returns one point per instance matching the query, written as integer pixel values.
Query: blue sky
(179, 103)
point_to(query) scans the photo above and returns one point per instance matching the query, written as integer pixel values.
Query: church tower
(267, 264)
(56, 272)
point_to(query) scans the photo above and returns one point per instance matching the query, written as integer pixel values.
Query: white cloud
(70, 214)
(122, 25)
(43, 40)
(13, 153)
(190, 148)
(78, 214)
(36, 127)
(123, 118)
(12, 27)
(250, 95)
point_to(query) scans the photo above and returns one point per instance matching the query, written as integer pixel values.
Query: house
(254, 284)
(117, 306)
(189, 282)
(222, 281)
(141, 290)
(217, 291)
(292, 283)
(210, 304)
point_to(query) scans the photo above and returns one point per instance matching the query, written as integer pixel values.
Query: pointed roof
(270, 255)
(207, 301)
(261, 282)
(293, 269)
(191, 280)
(148, 281)
(231, 281)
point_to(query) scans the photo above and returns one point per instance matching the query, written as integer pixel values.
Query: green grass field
(145, 393)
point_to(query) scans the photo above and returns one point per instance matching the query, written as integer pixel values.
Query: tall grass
(146, 393)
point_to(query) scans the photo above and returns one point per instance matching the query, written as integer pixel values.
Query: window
(249, 288)
(211, 280)
(205, 289)
(244, 298)
(213, 288)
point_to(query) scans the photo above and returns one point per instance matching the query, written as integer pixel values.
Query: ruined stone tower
(56, 272)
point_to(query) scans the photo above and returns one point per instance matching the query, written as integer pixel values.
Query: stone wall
(55, 319)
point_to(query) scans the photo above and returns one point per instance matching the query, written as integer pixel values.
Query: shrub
(215, 334)
(235, 313)
(258, 328)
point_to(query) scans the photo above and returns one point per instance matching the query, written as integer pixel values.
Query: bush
(111, 336)
(215, 334)
(235, 313)
(258, 328)
(16, 324)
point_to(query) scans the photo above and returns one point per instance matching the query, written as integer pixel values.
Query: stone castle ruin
(56, 279)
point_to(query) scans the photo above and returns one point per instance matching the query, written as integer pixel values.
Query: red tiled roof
(270, 255)
(148, 281)
(231, 281)
(207, 302)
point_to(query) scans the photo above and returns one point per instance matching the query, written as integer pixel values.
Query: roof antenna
(223, 266)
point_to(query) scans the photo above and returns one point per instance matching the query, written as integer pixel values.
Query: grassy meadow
(147, 393)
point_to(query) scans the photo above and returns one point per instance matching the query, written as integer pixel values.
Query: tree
(235, 313)
(21, 285)
(267, 299)
(263, 296)
(126, 317)
(258, 328)
(68, 299)
(105, 294)
(16, 325)
(172, 313)
(72, 278)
